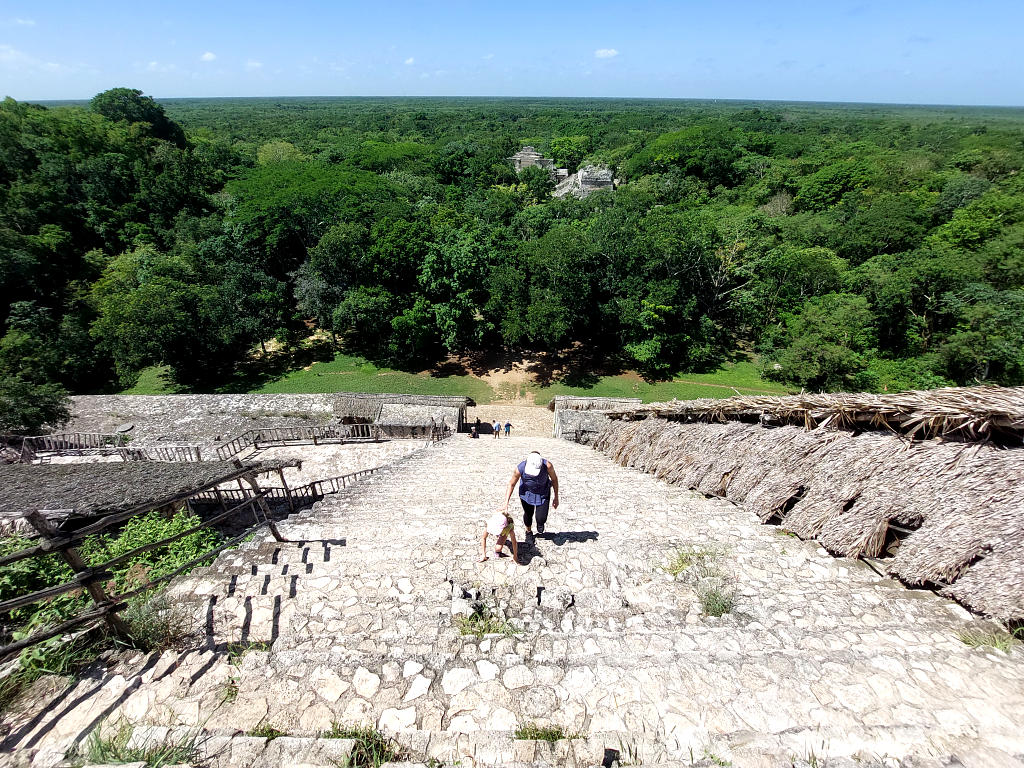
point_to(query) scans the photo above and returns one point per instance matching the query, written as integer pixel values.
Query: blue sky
(903, 51)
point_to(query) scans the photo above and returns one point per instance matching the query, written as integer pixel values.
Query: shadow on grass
(263, 368)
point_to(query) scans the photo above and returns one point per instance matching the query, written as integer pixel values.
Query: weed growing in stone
(693, 557)
(230, 690)
(1002, 641)
(482, 621)
(550, 733)
(716, 759)
(101, 750)
(155, 624)
(52, 657)
(237, 651)
(266, 731)
(372, 748)
(716, 600)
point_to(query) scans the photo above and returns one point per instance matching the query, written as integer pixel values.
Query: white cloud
(410, 61)
(253, 65)
(156, 66)
(605, 53)
(208, 56)
(13, 59)
(23, 22)
(488, 57)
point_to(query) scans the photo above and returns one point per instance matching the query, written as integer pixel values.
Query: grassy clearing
(106, 750)
(550, 733)
(372, 748)
(155, 380)
(731, 378)
(353, 374)
(975, 638)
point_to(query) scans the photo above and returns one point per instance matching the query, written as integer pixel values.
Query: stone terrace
(820, 658)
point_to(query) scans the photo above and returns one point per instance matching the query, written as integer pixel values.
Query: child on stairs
(500, 524)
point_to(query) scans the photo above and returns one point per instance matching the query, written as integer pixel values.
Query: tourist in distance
(496, 426)
(508, 427)
(538, 487)
(474, 434)
(502, 526)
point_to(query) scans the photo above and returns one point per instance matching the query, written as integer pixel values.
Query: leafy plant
(105, 750)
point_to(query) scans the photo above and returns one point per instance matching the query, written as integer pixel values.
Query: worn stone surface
(818, 656)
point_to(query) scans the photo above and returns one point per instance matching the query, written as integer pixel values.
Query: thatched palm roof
(963, 503)
(575, 403)
(966, 413)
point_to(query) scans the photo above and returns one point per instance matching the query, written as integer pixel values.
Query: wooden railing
(92, 578)
(313, 490)
(70, 442)
(287, 435)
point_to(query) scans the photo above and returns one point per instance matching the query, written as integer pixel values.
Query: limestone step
(221, 748)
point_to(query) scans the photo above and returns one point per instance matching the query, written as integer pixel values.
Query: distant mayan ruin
(587, 179)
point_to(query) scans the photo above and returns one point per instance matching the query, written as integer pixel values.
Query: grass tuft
(701, 559)
(266, 731)
(372, 748)
(716, 600)
(549, 733)
(482, 621)
(975, 638)
(106, 750)
(155, 624)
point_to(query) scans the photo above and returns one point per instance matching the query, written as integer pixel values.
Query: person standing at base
(508, 427)
(496, 426)
(538, 487)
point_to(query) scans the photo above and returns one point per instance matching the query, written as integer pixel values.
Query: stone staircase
(357, 621)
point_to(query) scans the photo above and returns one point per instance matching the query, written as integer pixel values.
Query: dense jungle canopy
(846, 246)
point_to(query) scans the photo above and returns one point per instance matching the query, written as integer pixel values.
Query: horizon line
(561, 98)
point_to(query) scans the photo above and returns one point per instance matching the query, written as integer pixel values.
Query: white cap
(533, 464)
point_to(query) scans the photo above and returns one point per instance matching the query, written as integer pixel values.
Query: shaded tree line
(848, 249)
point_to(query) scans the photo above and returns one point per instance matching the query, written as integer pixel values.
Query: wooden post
(250, 478)
(287, 490)
(71, 556)
(220, 498)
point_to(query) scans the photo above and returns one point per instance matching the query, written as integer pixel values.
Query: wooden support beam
(71, 556)
(250, 478)
(287, 491)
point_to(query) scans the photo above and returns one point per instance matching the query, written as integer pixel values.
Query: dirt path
(527, 420)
